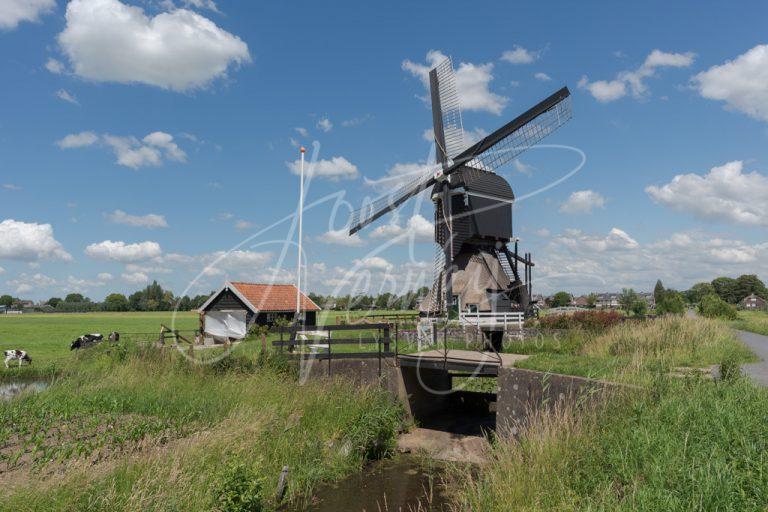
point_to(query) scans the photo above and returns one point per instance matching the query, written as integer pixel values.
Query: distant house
(229, 312)
(752, 302)
(608, 301)
(649, 298)
(580, 302)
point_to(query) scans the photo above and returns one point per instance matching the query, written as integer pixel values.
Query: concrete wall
(422, 391)
(523, 391)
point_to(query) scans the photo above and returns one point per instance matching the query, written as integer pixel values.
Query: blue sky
(144, 140)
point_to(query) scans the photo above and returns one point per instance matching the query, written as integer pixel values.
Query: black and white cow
(16, 355)
(85, 340)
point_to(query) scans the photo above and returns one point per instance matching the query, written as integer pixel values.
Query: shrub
(672, 303)
(587, 320)
(239, 489)
(713, 306)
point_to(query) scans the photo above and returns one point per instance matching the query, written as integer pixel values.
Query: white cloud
(120, 251)
(741, 83)
(10, 186)
(523, 168)
(583, 262)
(373, 263)
(302, 131)
(583, 201)
(400, 174)
(243, 224)
(335, 169)
(355, 121)
(341, 237)
(78, 284)
(578, 241)
(78, 140)
(109, 41)
(105, 276)
(634, 81)
(472, 82)
(201, 4)
(725, 193)
(26, 283)
(150, 220)
(29, 241)
(54, 66)
(13, 12)
(417, 229)
(135, 277)
(325, 124)
(64, 95)
(542, 77)
(604, 91)
(520, 55)
(543, 232)
(131, 152)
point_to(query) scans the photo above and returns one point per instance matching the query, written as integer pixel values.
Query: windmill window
(472, 308)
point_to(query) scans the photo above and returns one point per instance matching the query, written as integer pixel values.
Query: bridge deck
(469, 361)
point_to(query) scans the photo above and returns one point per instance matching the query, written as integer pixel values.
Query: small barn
(234, 308)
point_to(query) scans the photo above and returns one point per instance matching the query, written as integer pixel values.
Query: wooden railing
(300, 342)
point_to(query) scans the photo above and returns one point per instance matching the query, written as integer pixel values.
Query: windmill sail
(523, 132)
(446, 112)
(492, 152)
(389, 202)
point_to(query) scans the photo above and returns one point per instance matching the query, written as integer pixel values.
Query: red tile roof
(274, 297)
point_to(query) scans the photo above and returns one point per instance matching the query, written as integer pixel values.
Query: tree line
(151, 298)
(155, 298)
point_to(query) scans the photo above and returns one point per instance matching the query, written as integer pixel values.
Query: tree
(75, 297)
(116, 302)
(640, 307)
(384, 300)
(725, 288)
(698, 292)
(712, 306)
(658, 291)
(184, 304)
(561, 299)
(627, 298)
(672, 303)
(749, 284)
(54, 301)
(6, 300)
(592, 300)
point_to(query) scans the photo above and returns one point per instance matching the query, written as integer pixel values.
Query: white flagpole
(301, 213)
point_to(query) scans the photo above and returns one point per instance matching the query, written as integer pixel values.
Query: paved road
(759, 345)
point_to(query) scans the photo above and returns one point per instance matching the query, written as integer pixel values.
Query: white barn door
(226, 324)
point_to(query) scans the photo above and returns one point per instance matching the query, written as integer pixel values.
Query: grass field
(46, 337)
(752, 321)
(675, 444)
(133, 427)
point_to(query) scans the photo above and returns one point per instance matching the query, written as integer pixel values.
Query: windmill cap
(303, 149)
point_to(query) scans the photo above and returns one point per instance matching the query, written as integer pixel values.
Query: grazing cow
(114, 336)
(85, 340)
(16, 355)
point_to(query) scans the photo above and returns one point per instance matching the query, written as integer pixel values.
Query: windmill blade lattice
(527, 130)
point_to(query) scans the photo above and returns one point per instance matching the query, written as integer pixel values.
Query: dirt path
(759, 345)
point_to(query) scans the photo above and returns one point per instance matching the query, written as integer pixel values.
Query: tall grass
(697, 446)
(141, 429)
(635, 351)
(677, 444)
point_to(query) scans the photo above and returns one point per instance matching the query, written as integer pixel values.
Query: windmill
(476, 270)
